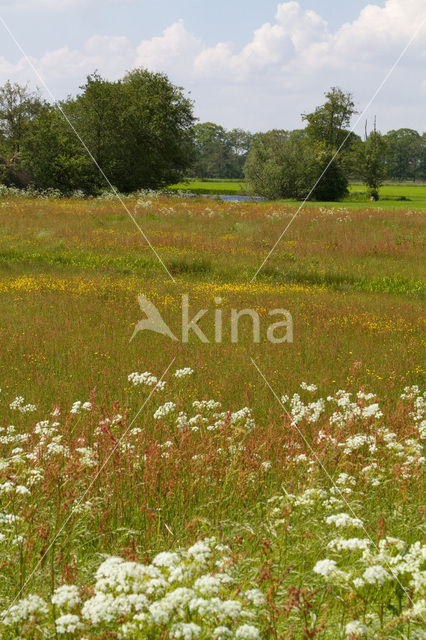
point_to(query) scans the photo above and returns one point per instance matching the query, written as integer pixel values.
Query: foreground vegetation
(234, 514)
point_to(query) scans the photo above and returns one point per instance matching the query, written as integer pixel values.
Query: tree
(139, 130)
(281, 164)
(55, 157)
(155, 128)
(370, 162)
(18, 108)
(329, 122)
(422, 154)
(211, 151)
(405, 154)
(219, 153)
(327, 128)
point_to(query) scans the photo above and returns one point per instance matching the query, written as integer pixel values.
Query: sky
(254, 64)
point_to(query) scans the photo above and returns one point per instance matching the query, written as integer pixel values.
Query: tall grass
(314, 501)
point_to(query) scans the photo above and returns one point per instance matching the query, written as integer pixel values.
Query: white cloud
(272, 45)
(282, 71)
(65, 69)
(173, 52)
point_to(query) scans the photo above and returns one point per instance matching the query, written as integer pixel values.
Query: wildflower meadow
(152, 488)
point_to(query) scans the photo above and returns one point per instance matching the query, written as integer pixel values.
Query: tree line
(140, 132)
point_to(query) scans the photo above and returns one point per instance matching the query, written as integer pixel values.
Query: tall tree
(405, 154)
(138, 129)
(219, 153)
(328, 128)
(329, 122)
(18, 108)
(369, 158)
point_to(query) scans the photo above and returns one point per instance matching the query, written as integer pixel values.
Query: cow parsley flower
(183, 373)
(344, 520)
(68, 623)
(247, 632)
(325, 567)
(26, 609)
(66, 595)
(308, 387)
(164, 410)
(185, 630)
(376, 575)
(355, 628)
(222, 633)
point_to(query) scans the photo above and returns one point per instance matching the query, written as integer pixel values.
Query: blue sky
(39, 25)
(254, 64)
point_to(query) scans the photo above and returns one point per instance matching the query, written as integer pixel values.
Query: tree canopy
(139, 131)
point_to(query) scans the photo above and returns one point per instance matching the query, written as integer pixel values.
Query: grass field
(313, 497)
(391, 195)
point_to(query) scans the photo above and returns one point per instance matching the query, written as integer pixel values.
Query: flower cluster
(146, 379)
(187, 594)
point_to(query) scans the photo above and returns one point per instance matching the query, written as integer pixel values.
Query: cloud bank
(282, 71)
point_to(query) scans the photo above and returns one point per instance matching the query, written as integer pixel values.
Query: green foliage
(138, 130)
(18, 108)
(280, 165)
(54, 156)
(329, 122)
(369, 157)
(219, 153)
(304, 164)
(287, 165)
(405, 155)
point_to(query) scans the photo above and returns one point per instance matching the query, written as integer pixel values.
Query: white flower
(66, 596)
(355, 628)
(183, 373)
(159, 614)
(358, 583)
(88, 457)
(325, 567)
(255, 596)
(25, 609)
(79, 406)
(372, 410)
(147, 379)
(376, 574)
(185, 630)
(207, 585)
(221, 633)
(351, 544)
(164, 410)
(344, 520)
(308, 387)
(247, 632)
(166, 559)
(68, 623)
(18, 405)
(76, 407)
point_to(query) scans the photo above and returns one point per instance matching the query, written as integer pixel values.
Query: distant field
(213, 187)
(392, 195)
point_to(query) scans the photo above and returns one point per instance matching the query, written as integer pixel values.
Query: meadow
(158, 489)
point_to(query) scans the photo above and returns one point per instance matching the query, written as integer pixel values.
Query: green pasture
(406, 195)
